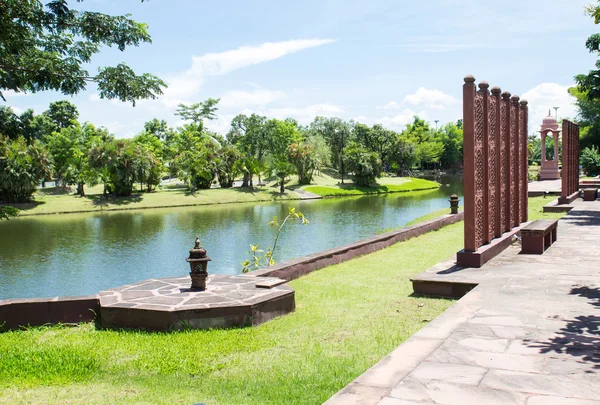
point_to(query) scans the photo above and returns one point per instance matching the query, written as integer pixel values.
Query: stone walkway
(528, 334)
(549, 186)
(307, 195)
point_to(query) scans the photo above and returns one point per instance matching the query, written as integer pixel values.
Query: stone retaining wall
(18, 313)
(296, 268)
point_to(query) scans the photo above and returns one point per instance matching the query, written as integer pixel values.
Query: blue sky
(372, 61)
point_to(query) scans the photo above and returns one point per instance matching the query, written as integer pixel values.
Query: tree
(194, 157)
(364, 165)
(588, 116)
(403, 153)
(303, 157)
(27, 125)
(338, 133)
(9, 122)
(322, 153)
(158, 129)
(120, 160)
(250, 135)
(451, 137)
(35, 126)
(587, 90)
(62, 113)
(534, 149)
(45, 47)
(198, 112)
(590, 161)
(22, 167)
(70, 148)
(281, 134)
(376, 139)
(228, 164)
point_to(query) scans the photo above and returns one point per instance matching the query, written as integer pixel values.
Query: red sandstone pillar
(506, 159)
(495, 168)
(524, 160)
(482, 161)
(565, 175)
(514, 161)
(469, 162)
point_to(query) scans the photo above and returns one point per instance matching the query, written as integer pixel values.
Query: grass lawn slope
(53, 201)
(384, 185)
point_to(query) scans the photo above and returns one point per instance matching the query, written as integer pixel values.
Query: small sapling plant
(258, 259)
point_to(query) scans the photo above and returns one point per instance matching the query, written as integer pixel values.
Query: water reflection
(85, 253)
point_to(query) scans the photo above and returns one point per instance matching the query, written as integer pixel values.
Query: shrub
(590, 161)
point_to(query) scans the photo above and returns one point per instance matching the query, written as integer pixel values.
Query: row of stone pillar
(495, 162)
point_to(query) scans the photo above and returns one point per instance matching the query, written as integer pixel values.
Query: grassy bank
(53, 201)
(348, 317)
(384, 185)
(57, 201)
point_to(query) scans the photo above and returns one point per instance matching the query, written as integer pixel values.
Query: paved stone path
(551, 186)
(528, 334)
(307, 195)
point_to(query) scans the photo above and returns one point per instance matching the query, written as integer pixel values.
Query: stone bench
(538, 236)
(590, 194)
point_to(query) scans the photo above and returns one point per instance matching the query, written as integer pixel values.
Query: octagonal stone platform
(169, 304)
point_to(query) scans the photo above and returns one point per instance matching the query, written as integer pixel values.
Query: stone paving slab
(527, 334)
(551, 186)
(169, 303)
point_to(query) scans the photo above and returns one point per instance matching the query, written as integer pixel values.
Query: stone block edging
(19, 313)
(293, 269)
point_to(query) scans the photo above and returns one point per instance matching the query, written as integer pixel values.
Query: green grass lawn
(51, 201)
(348, 317)
(384, 185)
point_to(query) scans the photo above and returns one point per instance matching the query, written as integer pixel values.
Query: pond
(78, 254)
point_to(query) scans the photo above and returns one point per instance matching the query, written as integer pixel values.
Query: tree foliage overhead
(590, 83)
(46, 47)
(587, 89)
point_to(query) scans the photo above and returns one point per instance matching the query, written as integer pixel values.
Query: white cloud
(124, 130)
(240, 99)
(221, 124)
(543, 98)
(399, 121)
(213, 64)
(392, 105)
(188, 83)
(17, 110)
(434, 98)
(424, 98)
(362, 119)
